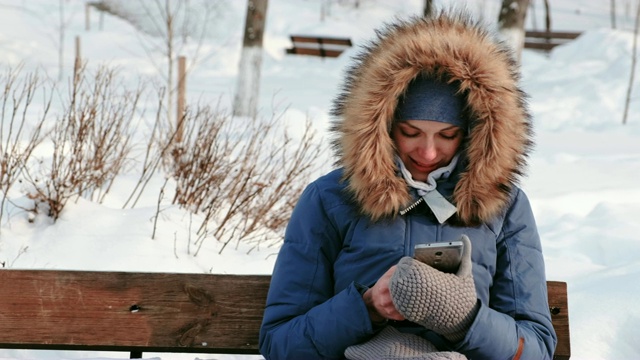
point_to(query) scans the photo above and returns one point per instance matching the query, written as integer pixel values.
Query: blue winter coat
(347, 228)
(314, 309)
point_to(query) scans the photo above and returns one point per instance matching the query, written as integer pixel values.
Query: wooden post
(77, 64)
(87, 16)
(182, 86)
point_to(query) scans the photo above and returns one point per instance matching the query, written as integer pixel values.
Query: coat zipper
(412, 206)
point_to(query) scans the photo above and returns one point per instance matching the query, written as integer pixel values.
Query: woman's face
(425, 145)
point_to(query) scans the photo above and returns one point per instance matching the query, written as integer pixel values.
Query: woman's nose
(428, 151)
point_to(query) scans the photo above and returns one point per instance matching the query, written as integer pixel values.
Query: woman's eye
(409, 133)
(449, 136)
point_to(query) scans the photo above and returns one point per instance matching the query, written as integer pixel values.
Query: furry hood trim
(500, 134)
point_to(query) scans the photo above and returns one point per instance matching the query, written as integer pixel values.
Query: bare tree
(613, 14)
(248, 87)
(166, 27)
(44, 15)
(533, 15)
(428, 8)
(325, 9)
(511, 23)
(171, 20)
(634, 56)
(170, 28)
(547, 16)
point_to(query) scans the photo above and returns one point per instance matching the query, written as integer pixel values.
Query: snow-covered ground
(583, 175)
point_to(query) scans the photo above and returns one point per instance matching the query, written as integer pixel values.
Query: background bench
(154, 312)
(547, 40)
(318, 46)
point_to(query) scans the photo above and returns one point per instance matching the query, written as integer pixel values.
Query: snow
(583, 175)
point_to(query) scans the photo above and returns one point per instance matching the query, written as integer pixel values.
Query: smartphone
(444, 256)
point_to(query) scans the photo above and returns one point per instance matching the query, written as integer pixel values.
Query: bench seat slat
(321, 40)
(121, 310)
(314, 52)
(552, 34)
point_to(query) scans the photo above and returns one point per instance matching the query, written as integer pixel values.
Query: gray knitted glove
(391, 344)
(444, 303)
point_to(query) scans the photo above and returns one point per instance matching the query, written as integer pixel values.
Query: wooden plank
(540, 45)
(318, 46)
(559, 308)
(314, 52)
(156, 312)
(552, 34)
(543, 40)
(321, 40)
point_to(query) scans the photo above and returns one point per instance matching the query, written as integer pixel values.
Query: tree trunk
(248, 86)
(511, 23)
(61, 41)
(634, 58)
(547, 16)
(428, 8)
(170, 58)
(613, 14)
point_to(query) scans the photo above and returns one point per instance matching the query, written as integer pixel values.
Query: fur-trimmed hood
(500, 133)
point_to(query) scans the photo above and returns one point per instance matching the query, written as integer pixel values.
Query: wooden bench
(318, 46)
(154, 312)
(547, 40)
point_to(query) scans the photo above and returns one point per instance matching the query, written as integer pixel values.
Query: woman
(432, 133)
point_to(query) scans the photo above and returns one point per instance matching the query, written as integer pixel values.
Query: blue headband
(429, 99)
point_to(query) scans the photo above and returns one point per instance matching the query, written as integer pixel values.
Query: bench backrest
(318, 45)
(559, 308)
(154, 312)
(547, 40)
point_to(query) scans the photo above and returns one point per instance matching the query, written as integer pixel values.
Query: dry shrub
(244, 175)
(20, 132)
(158, 145)
(91, 141)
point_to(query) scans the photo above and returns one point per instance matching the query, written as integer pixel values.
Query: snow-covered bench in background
(154, 312)
(321, 46)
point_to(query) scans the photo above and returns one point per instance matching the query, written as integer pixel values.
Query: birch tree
(428, 8)
(248, 86)
(511, 24)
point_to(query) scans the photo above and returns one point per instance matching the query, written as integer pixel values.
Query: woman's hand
(378, 300)
(445, 303)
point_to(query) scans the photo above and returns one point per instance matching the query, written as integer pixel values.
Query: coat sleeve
(516, 322)
(304, 318)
